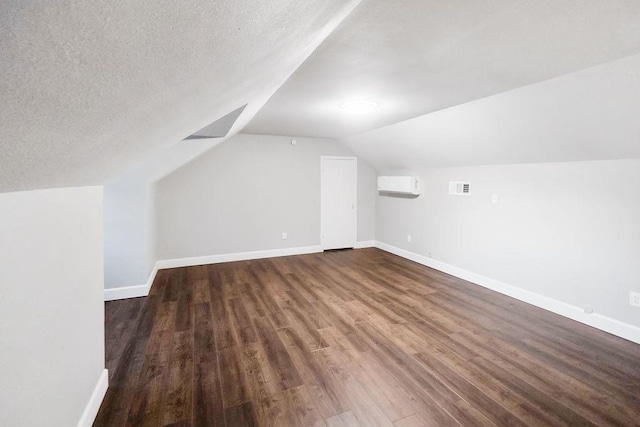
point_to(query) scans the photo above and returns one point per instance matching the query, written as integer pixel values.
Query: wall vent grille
(459, 188)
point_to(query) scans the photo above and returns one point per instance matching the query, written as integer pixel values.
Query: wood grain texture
(348, 338)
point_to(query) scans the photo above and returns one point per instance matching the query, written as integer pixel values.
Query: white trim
(152, 277)
(240, 256)
(112, 294)
(92, 408)
(366, 244)
(143, 290)
(125, 292)
(339, 158)
(598, 321)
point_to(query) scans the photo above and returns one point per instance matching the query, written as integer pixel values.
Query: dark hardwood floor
(354, 338)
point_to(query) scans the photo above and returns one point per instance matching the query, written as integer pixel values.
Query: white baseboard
(598, 321)
(152, 277)
(92, 408)
(126, 292)
(143, 290)
(365, 244)
(240, 256)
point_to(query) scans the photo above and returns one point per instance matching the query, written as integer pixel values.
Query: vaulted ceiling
(413, 57)
(88, 89)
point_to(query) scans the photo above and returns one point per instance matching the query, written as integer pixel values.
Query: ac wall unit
(399, 184)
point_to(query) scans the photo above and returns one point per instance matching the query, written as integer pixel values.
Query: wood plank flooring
(354, 338)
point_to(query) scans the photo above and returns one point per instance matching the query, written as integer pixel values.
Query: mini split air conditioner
(399, 185)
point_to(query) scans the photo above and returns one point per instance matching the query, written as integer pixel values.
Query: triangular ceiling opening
(220, 128)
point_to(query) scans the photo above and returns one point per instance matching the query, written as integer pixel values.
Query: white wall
(569, 231)
(128, 212)
(126, 232)
(51, 305)
(241, 195)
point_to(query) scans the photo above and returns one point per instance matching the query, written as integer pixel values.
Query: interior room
(320, 213)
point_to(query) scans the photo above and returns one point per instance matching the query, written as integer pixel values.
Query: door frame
(322, 160)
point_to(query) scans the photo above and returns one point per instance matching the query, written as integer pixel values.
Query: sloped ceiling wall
(587, 115)
(414, 57)
(90, 88)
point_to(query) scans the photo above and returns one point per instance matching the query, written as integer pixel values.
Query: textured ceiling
(413, 57)
(88, 89)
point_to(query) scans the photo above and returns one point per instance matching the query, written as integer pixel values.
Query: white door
(338, 201)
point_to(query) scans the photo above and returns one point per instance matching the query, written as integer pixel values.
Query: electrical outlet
(494, 199)
(409, 238)
(634, 299)
(284, 235)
